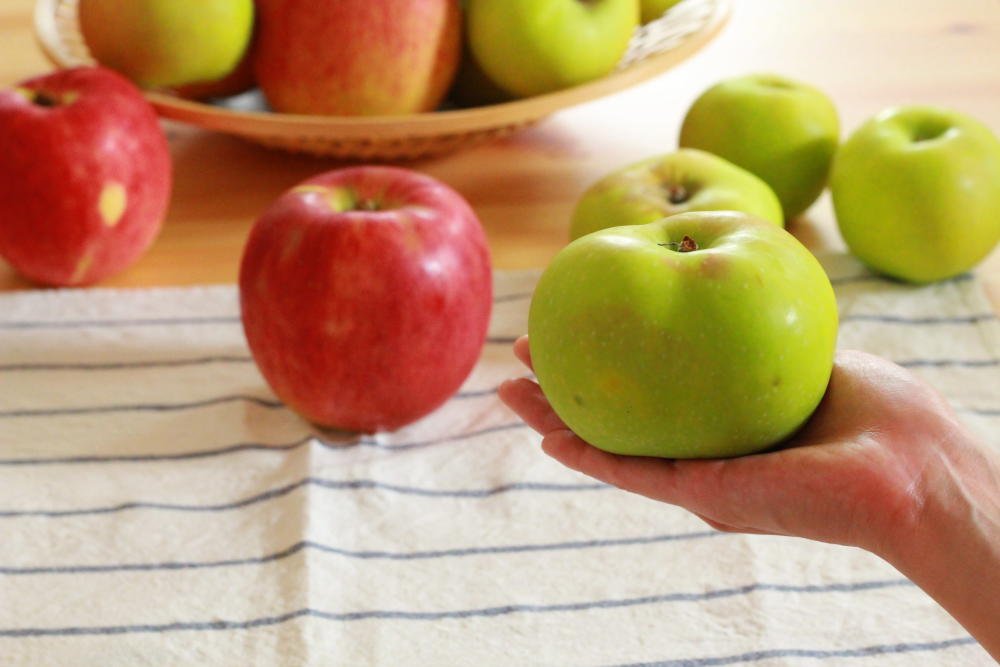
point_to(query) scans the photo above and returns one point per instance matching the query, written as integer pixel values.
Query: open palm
(856, 474)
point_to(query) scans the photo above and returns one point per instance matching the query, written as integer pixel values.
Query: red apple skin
(357, 57)
(366, 320)
(63, 164)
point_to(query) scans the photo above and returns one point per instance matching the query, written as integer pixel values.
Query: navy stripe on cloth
(944, 363)
(818, 654)
(871, 277)
(356, 554)
(127, 365)
(455, 614)
(140, 407)
(170, 407)
(331, 484)
(920, 321)
(256, 446)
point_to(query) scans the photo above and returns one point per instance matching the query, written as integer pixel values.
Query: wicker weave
(655, 48)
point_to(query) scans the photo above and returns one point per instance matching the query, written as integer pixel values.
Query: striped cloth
(158, 506)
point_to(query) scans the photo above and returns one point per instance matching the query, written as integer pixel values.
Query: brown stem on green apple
(686, 244)
(677, 194)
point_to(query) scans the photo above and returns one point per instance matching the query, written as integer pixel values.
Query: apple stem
(686, 244)
(677, 194)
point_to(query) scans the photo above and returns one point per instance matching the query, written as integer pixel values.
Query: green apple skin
(916, 192)
(645, 350)
(679, 182)
(654, 9)
(532, 47)
(782, 130)
(165, 43)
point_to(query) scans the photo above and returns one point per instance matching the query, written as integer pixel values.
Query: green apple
(654, 9)
(916, 192)
(531, 47)
(706, 334)
(686, 180)
(784, 131)
(164, 43)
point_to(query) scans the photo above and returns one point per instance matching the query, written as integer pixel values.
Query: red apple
(84, 178)
(366, 294)
(357, 57)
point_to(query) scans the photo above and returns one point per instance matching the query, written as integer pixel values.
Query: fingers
(660, 479)
(723, 527)
(525, 397)
(522, 351)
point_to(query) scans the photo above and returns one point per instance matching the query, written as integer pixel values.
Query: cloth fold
(159, 505)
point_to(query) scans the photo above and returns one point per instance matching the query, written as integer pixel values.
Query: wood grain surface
(865, 55)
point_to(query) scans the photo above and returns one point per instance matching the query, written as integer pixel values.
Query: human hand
(859, 473)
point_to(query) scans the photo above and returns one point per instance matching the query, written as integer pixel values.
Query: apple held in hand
(85, 176)
(783, 131)
(159, 43)
(705, 334)
(357, 57)
(686, 180)
(530, 47)
(366, 294)
(916, 191)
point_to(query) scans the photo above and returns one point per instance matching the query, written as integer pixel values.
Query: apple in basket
(532, 47)
(160, 43)
(357, 57)
(366, 294)
(916, 191)
(678, 182)
(85, 175)
(701, 335)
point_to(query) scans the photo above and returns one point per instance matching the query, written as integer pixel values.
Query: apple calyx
(45, 99)
(686, 244)
(929, 132)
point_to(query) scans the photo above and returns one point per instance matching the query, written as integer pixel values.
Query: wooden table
(865, 55)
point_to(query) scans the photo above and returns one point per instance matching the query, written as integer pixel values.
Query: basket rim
(427, 124)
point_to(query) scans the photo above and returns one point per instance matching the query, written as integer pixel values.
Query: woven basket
(655, 48)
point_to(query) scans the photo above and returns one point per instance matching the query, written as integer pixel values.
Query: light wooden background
(865, 55)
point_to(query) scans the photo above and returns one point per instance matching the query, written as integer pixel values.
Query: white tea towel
(159, 506)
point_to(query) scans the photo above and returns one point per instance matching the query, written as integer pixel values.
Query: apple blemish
(111, 203)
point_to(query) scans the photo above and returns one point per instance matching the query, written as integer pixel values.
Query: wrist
(950, 546)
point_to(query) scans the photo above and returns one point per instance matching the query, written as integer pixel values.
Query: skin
(678, 182)
(783, 131)
(883, 464)
(532, 47)
(917, 193)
